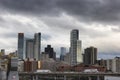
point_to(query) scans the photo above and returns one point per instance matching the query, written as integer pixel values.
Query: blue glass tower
(20, 45)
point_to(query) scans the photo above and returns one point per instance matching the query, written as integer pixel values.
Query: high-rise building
(49, 50)
(37, 46)
(79, 52)
(63, 52)
(67, 58)
(113, 64)
(30, 48)
(90, 56)
(21, 45)
(116, 64)
(75, 48)
(3, 51)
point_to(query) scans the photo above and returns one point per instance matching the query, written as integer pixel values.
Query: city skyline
(97, 21)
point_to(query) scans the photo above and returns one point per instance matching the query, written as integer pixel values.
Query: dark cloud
(30, 6)
(100, 10)
(64, 26)
(92, 10)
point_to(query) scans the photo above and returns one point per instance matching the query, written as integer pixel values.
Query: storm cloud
(92, 10)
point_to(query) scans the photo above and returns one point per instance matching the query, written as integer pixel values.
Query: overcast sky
(97, 20)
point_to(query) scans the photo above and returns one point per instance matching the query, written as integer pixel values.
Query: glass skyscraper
(63, 53)
(20, 45)
(37, 46)
(29, 48)
(75, 48)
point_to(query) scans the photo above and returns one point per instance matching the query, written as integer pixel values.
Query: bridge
(65, 75)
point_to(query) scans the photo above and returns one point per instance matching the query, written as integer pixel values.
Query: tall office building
(37, 45)
(49, 50)
(63, 52)
(79, 52)
(67, 58)
(90, 55)
(21, 45)
(30, 48)
(75, 48)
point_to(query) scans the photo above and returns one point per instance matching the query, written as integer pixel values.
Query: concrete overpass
(65, 75)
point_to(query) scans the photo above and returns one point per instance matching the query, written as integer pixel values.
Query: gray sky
(97, 21)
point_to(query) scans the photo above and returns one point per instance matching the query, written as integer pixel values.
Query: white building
(114, 64)
(79, 52)
(21, 66)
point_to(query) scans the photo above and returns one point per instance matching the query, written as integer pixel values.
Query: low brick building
(80, 68)
(30, 65)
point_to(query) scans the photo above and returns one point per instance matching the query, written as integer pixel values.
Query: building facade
(21, 65)
(37, 46)
(67, 58)
(49, 50)
(21, 45)
(30, 48)
(75, 47)
(102, 62)
(3, 51)
(63, 52)
(109, 64)
(113, 64)
(79, 52)
(90, 56)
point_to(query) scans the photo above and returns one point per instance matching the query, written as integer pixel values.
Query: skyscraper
(79, 52)
(29, 48)
(20, 45)
(90, 55)
(49, 50)
(37, 45)
(63, 52)
(75, 48)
